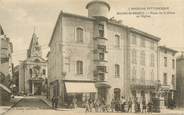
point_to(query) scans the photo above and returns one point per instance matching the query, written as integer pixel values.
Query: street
(36, 106)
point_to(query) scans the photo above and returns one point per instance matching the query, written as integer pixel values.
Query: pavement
(13, 101)
(42, 106)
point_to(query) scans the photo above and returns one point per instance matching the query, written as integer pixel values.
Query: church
(33, 71)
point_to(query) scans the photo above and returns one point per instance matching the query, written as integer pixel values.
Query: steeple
(1, 30)
(34, 47)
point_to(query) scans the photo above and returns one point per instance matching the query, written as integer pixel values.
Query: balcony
(99, 73)
(100, 40)
(96, 51)
(146, 84)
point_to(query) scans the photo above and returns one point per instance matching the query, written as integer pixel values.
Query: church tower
(34, 47)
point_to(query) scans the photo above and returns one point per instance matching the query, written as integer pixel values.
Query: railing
(139, 82)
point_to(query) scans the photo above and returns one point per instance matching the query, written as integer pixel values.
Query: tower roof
(1, 30)
(98, 1)
(34, 47)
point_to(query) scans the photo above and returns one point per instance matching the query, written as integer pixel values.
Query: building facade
(106, 57)
(167, 75)
(6, 67)
(180, 81)
(33, 71)
(142, 65)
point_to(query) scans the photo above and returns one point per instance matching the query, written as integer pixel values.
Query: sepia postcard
(97, 57)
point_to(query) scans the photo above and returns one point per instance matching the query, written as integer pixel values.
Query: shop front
(77, 93)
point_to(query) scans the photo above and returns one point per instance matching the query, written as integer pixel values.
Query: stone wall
(4, 97)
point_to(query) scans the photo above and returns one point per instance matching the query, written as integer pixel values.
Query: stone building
(142, 64)
(180, 81)
(33, 71)
(6, 66)
(6, 50)
(94, 56)
(167, 75)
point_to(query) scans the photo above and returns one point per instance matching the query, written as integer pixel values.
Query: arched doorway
(117, 93)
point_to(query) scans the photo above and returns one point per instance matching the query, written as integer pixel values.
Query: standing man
(56, 102)
(74, 102)
(123, 101)
(53, 102)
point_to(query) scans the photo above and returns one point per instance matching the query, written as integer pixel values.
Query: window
(165, 61)
(30, 72)
(101, 76)
(142, 75)
(173, 63)
(173, 80)
(101, 56)
(152, 45)
(142, 59)
(117, 41)
(134, 57)
(152, 59)
(134, 41)
(165, 79)
(142, 42)
(80, 35)
(44, 72)
(152, 75)
(117, 70)
(102, 48)
(134, 73)
(79, 67)
(101, 30)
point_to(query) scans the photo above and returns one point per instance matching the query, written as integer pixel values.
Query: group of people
(118, 105)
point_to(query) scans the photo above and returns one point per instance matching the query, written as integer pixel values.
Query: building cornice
(144, 34)
(166, 48)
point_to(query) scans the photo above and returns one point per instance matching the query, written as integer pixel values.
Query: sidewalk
(13, 101)
(173, 111)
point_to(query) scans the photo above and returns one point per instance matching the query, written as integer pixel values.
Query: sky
(20, 18)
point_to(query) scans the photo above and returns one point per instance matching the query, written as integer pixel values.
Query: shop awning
(80, 87)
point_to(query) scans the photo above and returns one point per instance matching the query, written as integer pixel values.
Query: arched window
(117, 41)
(79, 67)
(117, 70)
(80, 34)
(143, 61)
(117, 92)
(134, 57)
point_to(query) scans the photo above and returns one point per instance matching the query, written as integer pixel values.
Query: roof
(169, 49)
(67, 14)
(109, 21)
(33, 37)
(98, 1)
(1, 30)
(144, 34)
